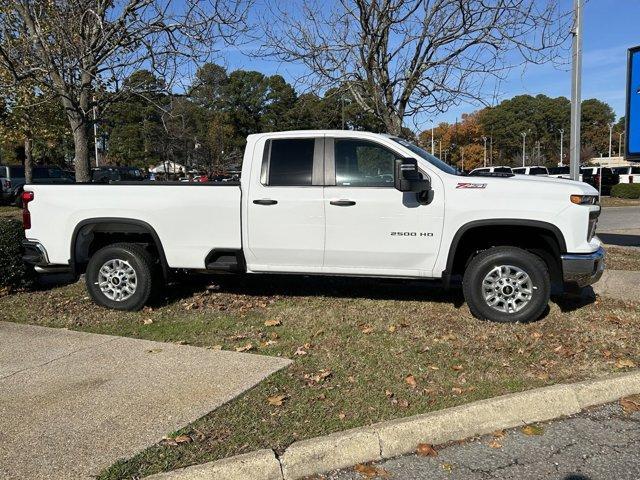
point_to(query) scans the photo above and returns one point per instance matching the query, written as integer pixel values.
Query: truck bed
(189, 219)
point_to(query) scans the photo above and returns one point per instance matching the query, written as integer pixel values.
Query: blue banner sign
(632, 134)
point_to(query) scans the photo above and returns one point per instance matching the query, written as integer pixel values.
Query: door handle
(265, 201)
(343, 203)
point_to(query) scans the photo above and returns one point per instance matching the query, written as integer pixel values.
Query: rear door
(372, 228)
(285, 206)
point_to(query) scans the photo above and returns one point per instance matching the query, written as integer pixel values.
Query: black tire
(486, 261)
(142, 263)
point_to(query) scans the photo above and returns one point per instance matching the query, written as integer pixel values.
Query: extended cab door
(372, 228)
(285, 205)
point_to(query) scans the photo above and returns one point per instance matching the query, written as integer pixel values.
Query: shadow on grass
(312, 286)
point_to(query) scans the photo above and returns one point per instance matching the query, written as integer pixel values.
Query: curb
(401, 436)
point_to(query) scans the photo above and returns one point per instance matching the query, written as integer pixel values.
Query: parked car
(600, 178)
(534, 170)
(629, 174)
(313, 202)
(108, 174)
(559, 172)
(497, 169)
(12, 180)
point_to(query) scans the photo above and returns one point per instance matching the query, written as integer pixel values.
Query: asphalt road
(602, 444)
(620, 226)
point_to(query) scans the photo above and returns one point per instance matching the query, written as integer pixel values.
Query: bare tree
(80, 49)
(404, 57)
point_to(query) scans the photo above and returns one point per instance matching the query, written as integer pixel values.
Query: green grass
(362, 338)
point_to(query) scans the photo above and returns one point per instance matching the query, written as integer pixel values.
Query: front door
(372, 228)
(285, 207)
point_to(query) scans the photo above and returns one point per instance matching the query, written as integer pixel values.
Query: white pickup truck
(327, 203)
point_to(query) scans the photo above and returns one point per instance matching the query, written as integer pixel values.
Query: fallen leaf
(300, 351)
(630, 404)
(367, 329)
(495, 444)
(426, 450)
(268, 343)
(391, 328)
(388, 393)
(532, 430)
(411, 381)
(433, 367)
(448, 467)
(606, 353)
(183, 439)
(457, 367)
(246, 348)
(272, 323)
(147, 321)
(403, 403)
(371, 471)
(342, 415)
(625, 363)
(499, 433)
(457, 390)
(277, 400)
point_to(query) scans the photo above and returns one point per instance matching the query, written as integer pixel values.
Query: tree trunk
(28, 159)
(79, 128)
(393, 123)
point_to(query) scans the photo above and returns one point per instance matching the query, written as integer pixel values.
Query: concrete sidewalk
(72, 403)
(620, 284)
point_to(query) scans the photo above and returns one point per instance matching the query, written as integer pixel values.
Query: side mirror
(408, 178)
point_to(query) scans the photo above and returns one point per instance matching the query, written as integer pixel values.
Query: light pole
(610, 135)
(576, 88)
(432, 142)
(440, 145)
(462, 155)
(620, 143)
(524, 147)
(561, 143)
(485, 150)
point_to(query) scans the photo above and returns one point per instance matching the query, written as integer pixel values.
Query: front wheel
(507, 284)
(120, 276)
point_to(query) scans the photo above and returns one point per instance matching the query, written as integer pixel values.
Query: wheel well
(91, 236)
(539, 240)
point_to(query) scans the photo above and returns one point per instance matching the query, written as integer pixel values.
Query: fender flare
(144, 226)
(519, 222)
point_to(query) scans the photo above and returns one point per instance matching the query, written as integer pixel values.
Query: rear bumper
(582, 269)
(34, 253)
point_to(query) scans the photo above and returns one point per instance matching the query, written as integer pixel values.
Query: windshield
(436, 162)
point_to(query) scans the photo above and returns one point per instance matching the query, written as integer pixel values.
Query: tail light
(26, 215)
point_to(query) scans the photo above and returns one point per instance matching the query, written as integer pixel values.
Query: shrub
(13, 272)
(626, 190)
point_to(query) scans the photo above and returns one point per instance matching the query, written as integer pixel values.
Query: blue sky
(610, 28)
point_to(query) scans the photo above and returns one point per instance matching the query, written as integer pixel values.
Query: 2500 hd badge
(411, 234)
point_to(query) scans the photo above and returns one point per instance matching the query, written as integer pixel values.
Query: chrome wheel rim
(507, 289)
(117, 280)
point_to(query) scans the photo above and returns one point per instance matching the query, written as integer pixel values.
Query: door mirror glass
(408, 178)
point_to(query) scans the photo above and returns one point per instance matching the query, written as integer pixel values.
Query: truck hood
(537, 183)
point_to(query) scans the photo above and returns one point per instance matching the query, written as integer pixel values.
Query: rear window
(502, 170)
(291, 162)
(537, 171)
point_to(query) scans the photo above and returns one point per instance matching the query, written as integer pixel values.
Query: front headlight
(584, 199)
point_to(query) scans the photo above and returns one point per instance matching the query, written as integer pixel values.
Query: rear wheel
(121, 276)
(507, 284)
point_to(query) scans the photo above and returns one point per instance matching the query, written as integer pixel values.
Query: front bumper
(582, 269)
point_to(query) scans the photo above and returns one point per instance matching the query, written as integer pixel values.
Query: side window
(291, 162)
(363, 164)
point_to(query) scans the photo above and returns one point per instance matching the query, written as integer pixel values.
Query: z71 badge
(471, 185)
